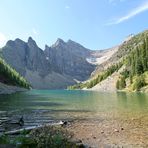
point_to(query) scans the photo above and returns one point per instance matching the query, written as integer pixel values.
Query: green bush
(121, 83)
(4, 139)
(139, 83)
(44, 137)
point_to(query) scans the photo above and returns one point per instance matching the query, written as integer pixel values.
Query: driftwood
(19, 122)
(18, 131)
(4, 119)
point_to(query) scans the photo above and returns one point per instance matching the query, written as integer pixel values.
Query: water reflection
(122, 99)
(78, 102)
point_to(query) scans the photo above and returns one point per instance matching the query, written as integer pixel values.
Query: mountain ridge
(63, 65)
(132, 54)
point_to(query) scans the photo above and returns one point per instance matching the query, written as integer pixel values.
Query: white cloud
(143, 7)
(34, 31)
(3, 39)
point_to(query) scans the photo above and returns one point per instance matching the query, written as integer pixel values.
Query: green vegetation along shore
(43, 137)
(9, 76)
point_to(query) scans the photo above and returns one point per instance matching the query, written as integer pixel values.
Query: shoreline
(8, 89)
(110, 133)
(112, 126)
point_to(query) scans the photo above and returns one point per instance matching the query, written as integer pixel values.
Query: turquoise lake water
(65, 104)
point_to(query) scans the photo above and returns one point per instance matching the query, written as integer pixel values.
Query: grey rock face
(56, 67)
(22, 56)
(69, 59)
(36, 60)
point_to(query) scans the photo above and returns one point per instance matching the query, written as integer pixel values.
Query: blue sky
(96, 24)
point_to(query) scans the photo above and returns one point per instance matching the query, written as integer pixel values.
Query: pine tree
(138, 67)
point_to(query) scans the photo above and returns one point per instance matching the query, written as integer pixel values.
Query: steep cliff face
(69, 59)
(56, 67)
(23, 56)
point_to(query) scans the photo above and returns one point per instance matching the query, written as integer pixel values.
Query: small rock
(94, 137)
(80, 145)
(116, 130)
(122, 128)
(76, 141)
(63, 123)
(69, 136)
(102, 132)
(79, 141)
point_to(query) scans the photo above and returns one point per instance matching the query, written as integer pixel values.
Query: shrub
(121, 83)
(139, 83)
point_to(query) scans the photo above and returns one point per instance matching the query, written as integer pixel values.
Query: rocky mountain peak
(46, 47)
(16, 42)
(59, 42)
(19, 40)
(10, 43)
(71, 41)
(30, 39)
(31, 42)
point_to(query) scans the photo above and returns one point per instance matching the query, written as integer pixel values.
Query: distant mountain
(58, 66)
(125, 69)
(25, 56)
(69, 58)
(68, 63)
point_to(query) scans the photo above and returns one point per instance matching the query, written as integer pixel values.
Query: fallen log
(28, 129)
(4, 121)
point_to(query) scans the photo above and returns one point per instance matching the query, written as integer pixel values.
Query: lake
(66, 104)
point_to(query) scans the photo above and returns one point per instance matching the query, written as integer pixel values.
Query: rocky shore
(106, 133)
(7, 89)
(111, 134)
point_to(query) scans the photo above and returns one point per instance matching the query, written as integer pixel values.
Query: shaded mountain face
(56, 67)
(69, 59)
(23, 56)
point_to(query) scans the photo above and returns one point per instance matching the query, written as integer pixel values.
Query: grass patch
(44, 137)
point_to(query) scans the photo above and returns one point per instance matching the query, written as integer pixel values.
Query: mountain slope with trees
(136, 65)
(133, 56)
(10, 77)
